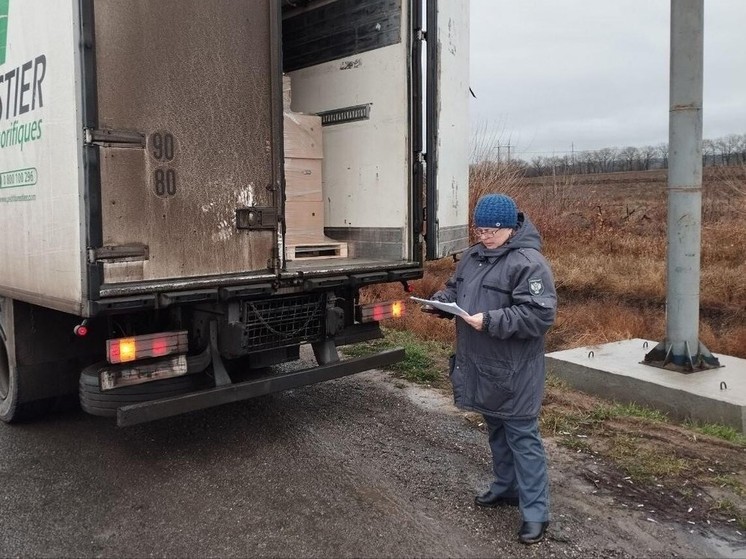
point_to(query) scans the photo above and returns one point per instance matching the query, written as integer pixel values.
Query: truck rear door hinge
(117, 138)
(273, 263)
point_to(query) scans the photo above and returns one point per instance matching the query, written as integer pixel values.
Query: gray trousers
(520, 465)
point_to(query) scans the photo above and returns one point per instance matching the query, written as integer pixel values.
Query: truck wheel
(11, 409)
(8, 388)
(105, 403)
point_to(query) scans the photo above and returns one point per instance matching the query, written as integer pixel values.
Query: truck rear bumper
(167, 407)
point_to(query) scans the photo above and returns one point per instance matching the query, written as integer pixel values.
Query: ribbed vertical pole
(681, 347)
(685, 174)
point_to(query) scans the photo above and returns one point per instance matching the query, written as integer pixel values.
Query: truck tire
(105, 403)
(8, 387)
(11, 408)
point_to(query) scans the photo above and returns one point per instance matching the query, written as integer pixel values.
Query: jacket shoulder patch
(536, 286)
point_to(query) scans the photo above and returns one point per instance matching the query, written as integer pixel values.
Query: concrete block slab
(614, 371)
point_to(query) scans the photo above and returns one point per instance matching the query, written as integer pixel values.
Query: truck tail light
(375, 312)
(123, 350)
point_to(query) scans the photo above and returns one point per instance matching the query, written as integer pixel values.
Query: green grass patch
(425, 362)
(554, 381)
(604, 412)
(644, 464)
(730, 482)
(557, 422)
(717, 430)
(576, 444)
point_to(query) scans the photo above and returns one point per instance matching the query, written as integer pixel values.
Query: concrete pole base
(664, 356)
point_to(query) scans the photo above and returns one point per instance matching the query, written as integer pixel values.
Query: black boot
(489, 499)
(532, 532)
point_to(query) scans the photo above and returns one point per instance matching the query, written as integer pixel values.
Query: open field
(605, 237)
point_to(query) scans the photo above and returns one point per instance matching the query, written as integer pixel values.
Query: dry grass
(605, 236)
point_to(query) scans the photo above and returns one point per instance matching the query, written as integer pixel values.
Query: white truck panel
(43, 248)
(366, 163)
(453, 121)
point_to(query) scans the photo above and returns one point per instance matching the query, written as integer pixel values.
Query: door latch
(255, 217)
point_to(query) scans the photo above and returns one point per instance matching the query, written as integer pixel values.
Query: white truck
(144, 264)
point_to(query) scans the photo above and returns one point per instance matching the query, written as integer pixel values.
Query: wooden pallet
(316, 250)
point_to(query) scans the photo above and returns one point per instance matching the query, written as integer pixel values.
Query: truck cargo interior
(346, 99)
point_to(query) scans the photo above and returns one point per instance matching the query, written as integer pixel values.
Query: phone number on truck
(19, 177)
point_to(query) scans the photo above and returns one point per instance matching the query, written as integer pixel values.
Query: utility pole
(499, 153)
(572, 158)
(681, 350)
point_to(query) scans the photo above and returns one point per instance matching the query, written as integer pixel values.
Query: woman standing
(506, 285)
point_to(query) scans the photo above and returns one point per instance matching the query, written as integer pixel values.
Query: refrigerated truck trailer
(142, 192)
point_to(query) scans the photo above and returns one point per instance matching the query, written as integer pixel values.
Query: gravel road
(366, 466)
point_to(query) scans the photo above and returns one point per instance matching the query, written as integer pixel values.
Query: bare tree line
(726, 151)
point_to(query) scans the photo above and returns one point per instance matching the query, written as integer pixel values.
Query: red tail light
(375, 312)
(122, 350)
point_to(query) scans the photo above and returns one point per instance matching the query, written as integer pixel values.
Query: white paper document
(451, 308)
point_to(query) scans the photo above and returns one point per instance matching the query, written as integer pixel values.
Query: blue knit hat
(496, 210)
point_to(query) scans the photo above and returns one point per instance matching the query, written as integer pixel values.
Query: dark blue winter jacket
(501, 372)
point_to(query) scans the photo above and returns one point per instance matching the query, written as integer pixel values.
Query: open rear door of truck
(447, 143)
(186, 125)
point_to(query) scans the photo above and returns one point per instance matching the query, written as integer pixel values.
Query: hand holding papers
(450, 308)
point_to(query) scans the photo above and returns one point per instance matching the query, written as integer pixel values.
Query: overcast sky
(548, 74)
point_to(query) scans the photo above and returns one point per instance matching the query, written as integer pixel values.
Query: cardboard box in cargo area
(302, 136)
(304, 202)
(303, 178)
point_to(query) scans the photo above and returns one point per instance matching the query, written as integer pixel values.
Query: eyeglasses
(487, 233)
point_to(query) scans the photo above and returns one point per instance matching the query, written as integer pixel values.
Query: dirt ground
(633, 467)
(364, 466)
(669, 471)
(627, 523)
(599, 504)
(599, 509)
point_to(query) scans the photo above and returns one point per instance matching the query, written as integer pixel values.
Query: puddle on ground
(722, 547)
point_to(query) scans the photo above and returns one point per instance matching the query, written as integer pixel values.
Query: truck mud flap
(168, 407)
